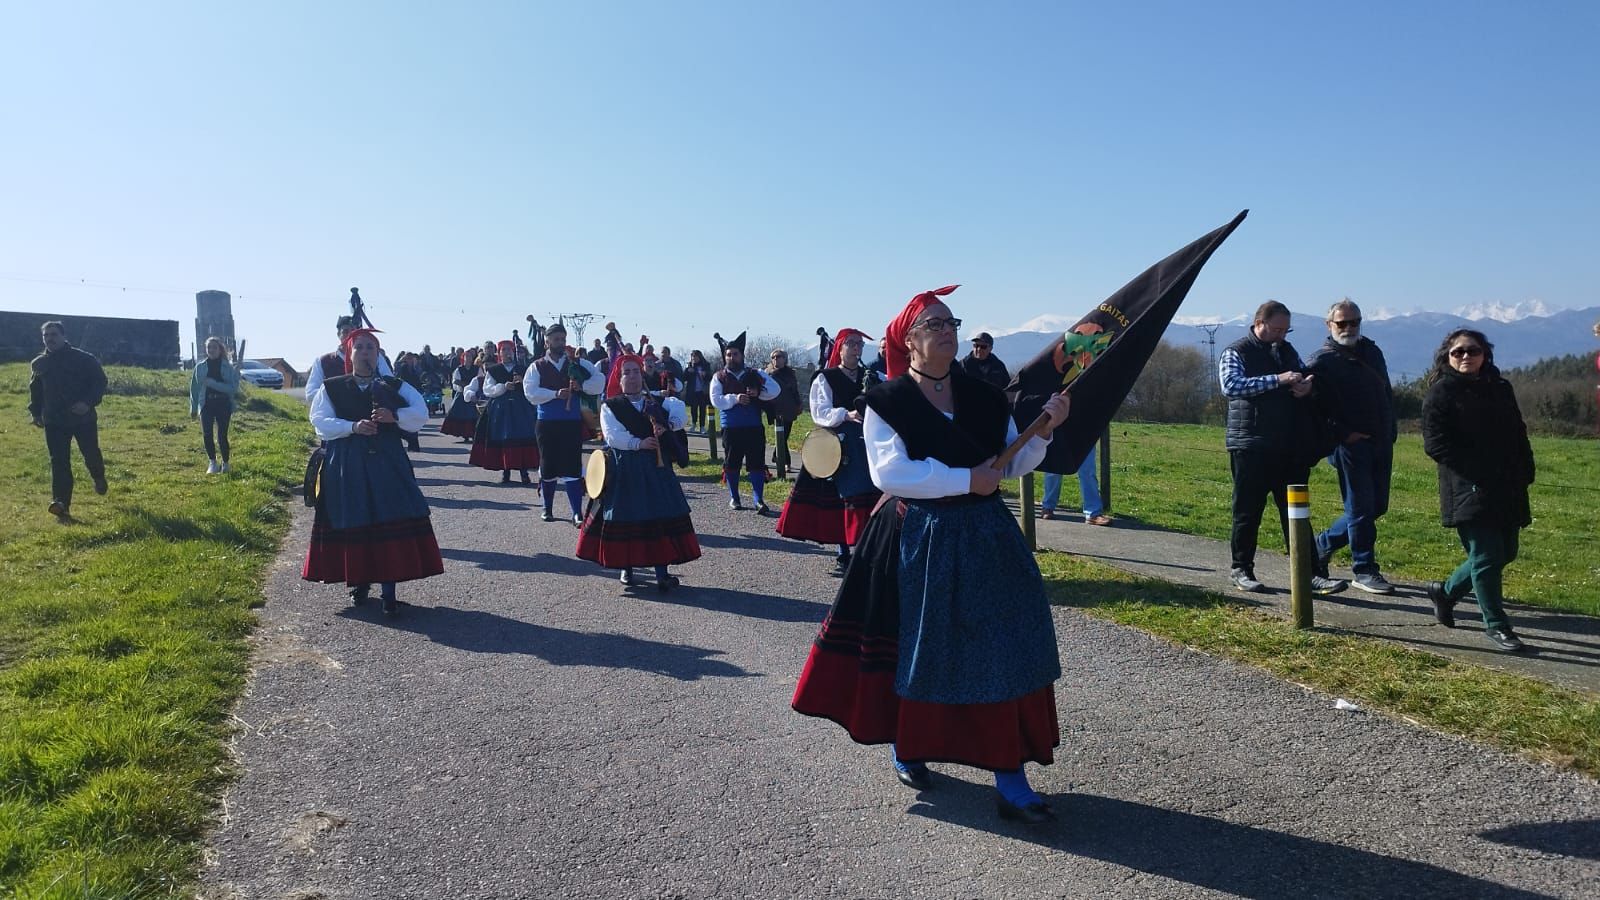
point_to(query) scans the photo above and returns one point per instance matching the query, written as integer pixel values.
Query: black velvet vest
(846, 390)
(352, 403)
(977, 432)
(502, 374)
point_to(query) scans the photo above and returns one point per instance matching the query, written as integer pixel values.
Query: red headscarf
(349, 347)
(896, 358)
(614, 377)
(838, 344)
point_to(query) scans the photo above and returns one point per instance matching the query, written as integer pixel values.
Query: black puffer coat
(1473, 429)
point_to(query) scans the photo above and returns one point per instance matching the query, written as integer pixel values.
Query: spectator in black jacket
(1269, 409)
(1353, 386)
(983, 365)
(1472, 428)
(67, 384)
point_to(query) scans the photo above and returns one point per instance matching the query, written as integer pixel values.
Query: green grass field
(122, 634)
(1176, 477)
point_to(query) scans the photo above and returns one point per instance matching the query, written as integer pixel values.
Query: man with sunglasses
(1353, 381)
(983, 365)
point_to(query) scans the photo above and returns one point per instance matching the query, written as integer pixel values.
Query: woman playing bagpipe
(462, 419)
(834, 510)
(371, 522)
(508, 439)
(641, 517)
(940, 640)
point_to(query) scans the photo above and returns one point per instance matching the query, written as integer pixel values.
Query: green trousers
(1490, 548)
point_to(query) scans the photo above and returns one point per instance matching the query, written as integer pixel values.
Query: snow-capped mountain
(1505, 312)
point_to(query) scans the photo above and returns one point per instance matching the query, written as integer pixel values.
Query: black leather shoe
(390, 606)
(1032, 814)
(627, 578)
(1505, 640)
(667, 583)
(763, 510)
(358, 597)
(100, 486)
(1443, 607)
(918, 778)
(546, 517)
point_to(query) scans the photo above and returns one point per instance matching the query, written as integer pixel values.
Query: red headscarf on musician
(614, 377)
(349, 347)
(896, 358)
(838, 344)
(506, 351)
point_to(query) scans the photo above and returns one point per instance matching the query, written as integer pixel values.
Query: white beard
(1347, 338)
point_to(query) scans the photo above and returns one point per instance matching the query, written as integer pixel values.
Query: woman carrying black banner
(940, 640)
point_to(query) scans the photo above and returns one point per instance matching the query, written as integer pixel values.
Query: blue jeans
(1088, 482)
(1363, 469)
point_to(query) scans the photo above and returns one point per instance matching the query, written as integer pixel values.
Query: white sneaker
(226, 468)
(213, 468)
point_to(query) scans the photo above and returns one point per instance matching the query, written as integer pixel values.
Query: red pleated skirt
(459, 427)
(995, 736)
(503, 458)
(404, 550)
(621, 545)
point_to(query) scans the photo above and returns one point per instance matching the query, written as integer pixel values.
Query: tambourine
(596, 473)
(822, 453)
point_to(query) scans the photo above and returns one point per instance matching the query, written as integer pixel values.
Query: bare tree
(1174, 386)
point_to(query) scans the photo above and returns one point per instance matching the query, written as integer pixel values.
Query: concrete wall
(152, 343)
(213, 316)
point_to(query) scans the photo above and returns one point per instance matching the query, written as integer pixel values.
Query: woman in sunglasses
(1472, 428)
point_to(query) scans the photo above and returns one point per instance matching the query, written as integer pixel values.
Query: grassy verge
(1523, 715)
(1176, 477)
(122, 634)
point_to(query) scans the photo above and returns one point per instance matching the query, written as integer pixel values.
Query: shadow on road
(452, 503)
(484, 632)
(1580, 838)
(740, 603)
(544, 563)
(756, 542)
(1240, 860)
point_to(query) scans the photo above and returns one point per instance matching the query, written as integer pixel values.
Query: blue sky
(689, 167)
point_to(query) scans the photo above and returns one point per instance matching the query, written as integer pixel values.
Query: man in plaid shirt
(1262, 379)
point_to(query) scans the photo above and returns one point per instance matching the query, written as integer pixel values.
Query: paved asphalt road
(527, 729)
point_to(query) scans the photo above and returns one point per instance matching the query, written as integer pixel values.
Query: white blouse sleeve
(492, 388)
(823, 412)
(329, 427)
(314, 378)
(414, 414)
(613, 431)
(899, 475)
(473, 389)
(1029, 457)
(719, 399)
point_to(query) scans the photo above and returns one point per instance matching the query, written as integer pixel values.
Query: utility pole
(577, 322)
(1211, 341)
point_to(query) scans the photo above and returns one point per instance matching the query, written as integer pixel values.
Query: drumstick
(1039, 428)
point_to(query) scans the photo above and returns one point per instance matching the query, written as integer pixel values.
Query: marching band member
(834, 510)
(940, 641)
(555, 392)
(641, 518)
(507, 438)
(462, 419)
(736, 392)
(371, 522)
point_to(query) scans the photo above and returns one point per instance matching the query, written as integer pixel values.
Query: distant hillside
(1407, 341)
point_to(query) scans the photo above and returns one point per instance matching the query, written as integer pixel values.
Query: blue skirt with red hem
(507, 435)
(641, 519)
(371, 522)
(461, 420)
(813, 512)
(850, 673)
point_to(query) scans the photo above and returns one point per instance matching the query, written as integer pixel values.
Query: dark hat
(345, 323)
(984, 338)
(557, 327)
(737, 343)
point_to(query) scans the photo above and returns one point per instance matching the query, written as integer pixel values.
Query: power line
(1211, 342)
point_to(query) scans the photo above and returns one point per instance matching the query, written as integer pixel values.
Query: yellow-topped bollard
(1302, 550)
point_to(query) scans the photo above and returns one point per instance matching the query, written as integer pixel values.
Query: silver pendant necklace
(938, 383)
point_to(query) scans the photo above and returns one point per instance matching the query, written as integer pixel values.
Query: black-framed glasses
(1345, 323)
(937, 325)
(1465, 351)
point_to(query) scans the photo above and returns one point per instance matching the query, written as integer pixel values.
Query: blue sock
(386, 590)
(1014, 787)
(548, 489)
(733, 483)
(661, 572)
(575, 496)
(758, 486)
(894, 754)
(844, 551)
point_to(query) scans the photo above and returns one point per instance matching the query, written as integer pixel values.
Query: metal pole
(1029, 533)
(711, 435)
(1105, 470)
(1302, 548)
